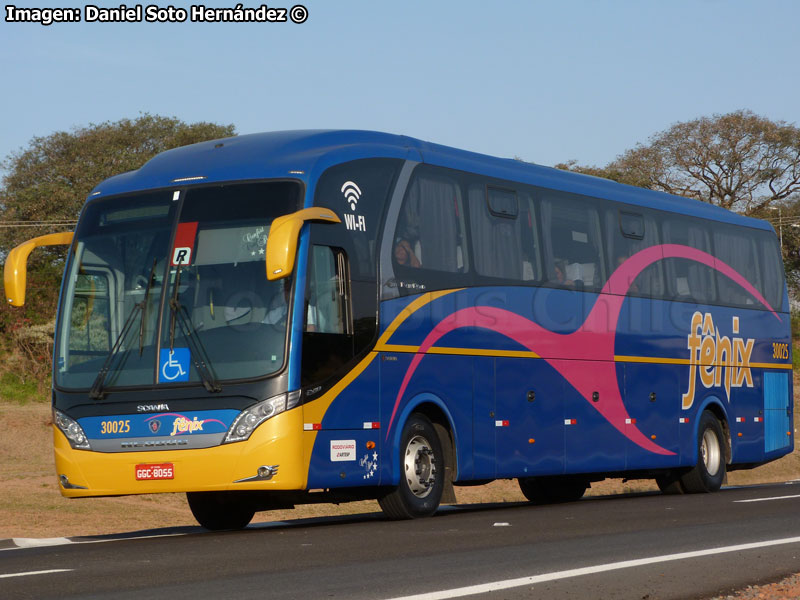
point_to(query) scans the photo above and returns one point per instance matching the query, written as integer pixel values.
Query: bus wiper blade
(96, 393)
(144, 305)
(174, 307)
(200, 359)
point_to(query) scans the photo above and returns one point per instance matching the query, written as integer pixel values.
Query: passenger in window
(560, 270)
(404, 255)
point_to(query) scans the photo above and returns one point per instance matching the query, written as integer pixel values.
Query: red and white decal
(683, 420)
(758, 419)
(570, 421)
(372, 425)
(312, 426)
(184, 244)
(503, 423)
(151, 472)
(630, 421)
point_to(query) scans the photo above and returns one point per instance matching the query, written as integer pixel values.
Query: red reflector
(317, 426)
(150, 472)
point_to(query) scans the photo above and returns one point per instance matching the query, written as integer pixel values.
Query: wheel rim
(420, 466)
(710, 451)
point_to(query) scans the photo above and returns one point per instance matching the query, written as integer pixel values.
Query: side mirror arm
(283, 237)
(15, 273)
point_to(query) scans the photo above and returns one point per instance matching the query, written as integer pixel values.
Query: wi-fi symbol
(352, 193)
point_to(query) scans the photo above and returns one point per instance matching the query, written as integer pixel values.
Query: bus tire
(709, 472)
(218, 511)
(553, 490)
(422, 471)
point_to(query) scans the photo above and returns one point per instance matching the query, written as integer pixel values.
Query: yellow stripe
(653, 360)
(397, 348)
(686, 361)
(482, 352)
(459, 351)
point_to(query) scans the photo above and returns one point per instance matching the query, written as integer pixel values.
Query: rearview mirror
(283, 235)
(15, 273)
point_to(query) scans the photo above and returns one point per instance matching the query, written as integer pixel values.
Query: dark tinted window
(737, 248)
(503, 236)
(772, 273)
(429, 245)
(687, 279)
(572, 241)
(628, 233)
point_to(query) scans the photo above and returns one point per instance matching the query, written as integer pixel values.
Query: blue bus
(325, 316)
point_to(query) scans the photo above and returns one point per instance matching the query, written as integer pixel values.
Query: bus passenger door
(343, 420)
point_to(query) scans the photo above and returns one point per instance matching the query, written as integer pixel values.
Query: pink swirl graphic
(591, 367)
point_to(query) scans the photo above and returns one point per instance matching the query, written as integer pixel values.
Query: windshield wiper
(200, 359)
(96, 393)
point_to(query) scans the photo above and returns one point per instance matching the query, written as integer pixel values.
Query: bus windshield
(170, 287)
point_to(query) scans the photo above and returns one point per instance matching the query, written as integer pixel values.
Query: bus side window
(687, 279)
(737, 248)
(328, 341)
(327, 301)
(571, 231)
(430, 229)
(630, 232)
(496, 230)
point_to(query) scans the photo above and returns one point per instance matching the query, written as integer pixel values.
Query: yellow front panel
(278, 441)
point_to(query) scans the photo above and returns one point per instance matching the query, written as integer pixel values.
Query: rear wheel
(422, 472)
(552, 490)
(219, 510)
(709, 472)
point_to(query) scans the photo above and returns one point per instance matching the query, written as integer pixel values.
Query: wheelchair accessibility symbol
(174, 364)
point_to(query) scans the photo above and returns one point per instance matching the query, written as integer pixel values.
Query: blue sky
(543, 81)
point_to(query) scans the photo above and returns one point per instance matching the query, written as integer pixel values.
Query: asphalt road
(629, 547)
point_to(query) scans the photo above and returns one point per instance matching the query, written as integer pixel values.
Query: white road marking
(506, 584)
(767, 499)
(7, 575)
(39, 542)
(23, 543)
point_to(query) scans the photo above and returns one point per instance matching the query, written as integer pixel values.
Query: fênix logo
(352, 193)
(719, 359)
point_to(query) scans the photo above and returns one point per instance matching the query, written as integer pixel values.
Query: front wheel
(219, 510)
(422, 472)
(709, 472)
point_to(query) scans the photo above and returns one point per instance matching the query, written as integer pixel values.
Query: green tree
(48, 181)
(739, 161)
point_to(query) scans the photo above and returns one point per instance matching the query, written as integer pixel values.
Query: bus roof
(303, 154)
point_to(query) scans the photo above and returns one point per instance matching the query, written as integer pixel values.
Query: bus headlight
(252, 417)
(70, 428)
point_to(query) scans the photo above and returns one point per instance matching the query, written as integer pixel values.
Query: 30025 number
(780, 351)
(120, 426)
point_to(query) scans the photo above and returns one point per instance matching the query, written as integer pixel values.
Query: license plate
(149, 472)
